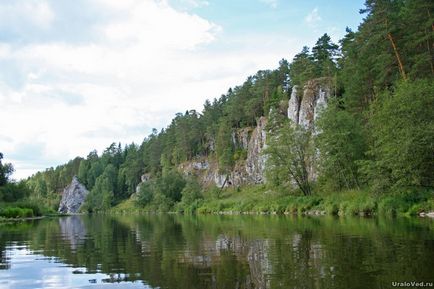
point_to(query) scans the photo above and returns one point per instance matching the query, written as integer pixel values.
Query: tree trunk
(398, 58)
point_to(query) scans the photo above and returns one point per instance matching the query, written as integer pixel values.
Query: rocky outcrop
(143, 179)
(255, 162)
(208, 173)
(294, 105)
(304, 107)
(241, 137)
(73, 197)
(246, 171)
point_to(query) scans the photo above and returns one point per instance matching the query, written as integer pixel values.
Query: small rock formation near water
(73, 197)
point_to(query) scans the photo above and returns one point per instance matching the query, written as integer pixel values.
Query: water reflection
(73, 230)
(219, 252)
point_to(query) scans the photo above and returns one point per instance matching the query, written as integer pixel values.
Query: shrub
(191, 192)
(15, 212)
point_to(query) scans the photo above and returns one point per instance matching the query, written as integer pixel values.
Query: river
(216, 252)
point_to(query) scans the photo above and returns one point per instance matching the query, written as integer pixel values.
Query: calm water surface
(218, 252)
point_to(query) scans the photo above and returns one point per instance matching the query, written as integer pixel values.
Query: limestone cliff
(246, 171)
(304, 106)
(73, 197)
(255, 162)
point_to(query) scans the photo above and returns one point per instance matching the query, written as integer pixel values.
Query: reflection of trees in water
(239, 253)
(4, 262)
(13, 234)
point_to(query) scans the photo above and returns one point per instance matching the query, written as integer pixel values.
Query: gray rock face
(304, 107)
(314, 98)
(73, 197)
(248, 171)
(241, 137)
(255, 163)
(294, 105)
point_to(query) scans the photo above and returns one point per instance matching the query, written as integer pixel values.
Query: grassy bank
(257, 199)
(23, 210)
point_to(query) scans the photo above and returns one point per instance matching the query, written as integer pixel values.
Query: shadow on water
(171, 251)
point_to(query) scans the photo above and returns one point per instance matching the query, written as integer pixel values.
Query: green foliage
(402, 132)
(191, 192)
(145, 193)
(320, 63)
(23, 208)
(101, 197)
(83, 172)
(129, 172)
(240, 154)
(341, 144)
(6, 171)
(410, 202)
(14, 212)
(224, 147)
(171, 185)
(288, 154)
(324, 55)
(302, 68)
(162, 192)
(12, 192)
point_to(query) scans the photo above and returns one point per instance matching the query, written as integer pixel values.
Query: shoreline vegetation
(255, 200)
(259, 200)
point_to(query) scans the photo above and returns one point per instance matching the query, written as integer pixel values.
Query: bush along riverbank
(258, 200)
(22, 210)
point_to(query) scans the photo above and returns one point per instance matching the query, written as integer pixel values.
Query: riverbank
(259, 200)
(3, 219)
(24, 210)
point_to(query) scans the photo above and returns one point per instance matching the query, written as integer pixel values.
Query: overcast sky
(78, 75)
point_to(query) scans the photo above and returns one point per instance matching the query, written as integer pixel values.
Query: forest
(373, 144)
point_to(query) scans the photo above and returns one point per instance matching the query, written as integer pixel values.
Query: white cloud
(148, 62)
(37, 12)
(313, 18)
(271, 3)
(194, 3)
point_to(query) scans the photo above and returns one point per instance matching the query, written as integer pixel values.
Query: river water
(218, 252)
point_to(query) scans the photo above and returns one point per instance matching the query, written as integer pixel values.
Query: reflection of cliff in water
(237, 253)
(73, 230)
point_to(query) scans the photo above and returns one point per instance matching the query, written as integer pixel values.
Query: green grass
(23, 209)
(15, 212)
(257, 199)
(260, 200)
(126, 207)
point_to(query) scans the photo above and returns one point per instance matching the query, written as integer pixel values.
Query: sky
(78, 75)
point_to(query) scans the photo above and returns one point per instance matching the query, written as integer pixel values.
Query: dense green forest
(376, 135)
